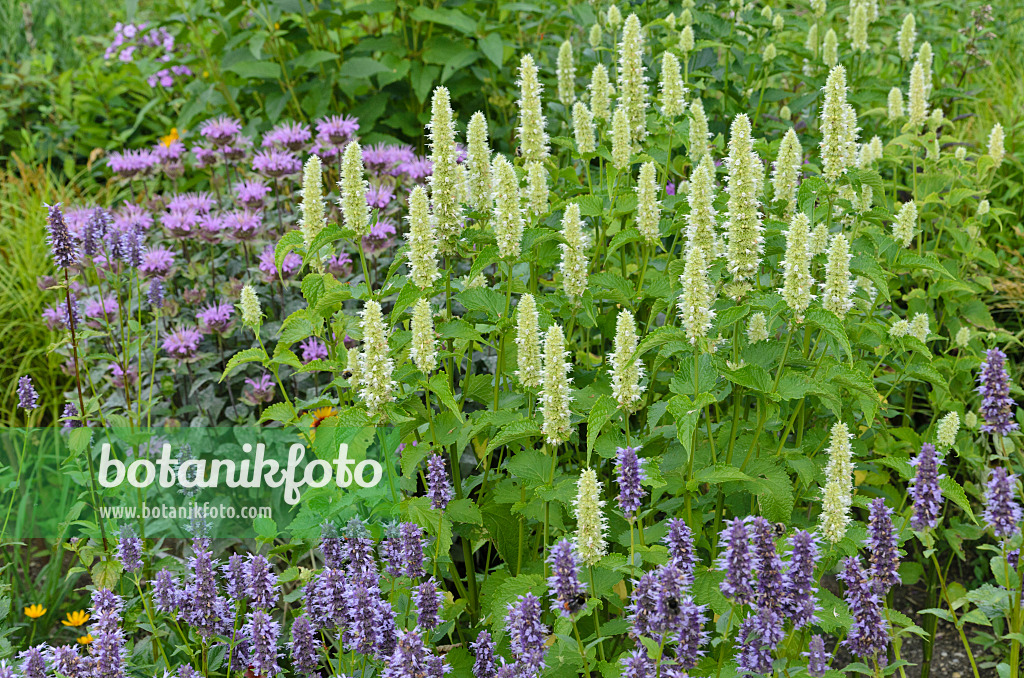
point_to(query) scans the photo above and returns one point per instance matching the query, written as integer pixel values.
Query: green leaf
(493, 48)
(464, 511)
(687, 413)
(291, 240)
(618, 289)
(715, 475)
(281, 412)
(313, 58)
(105, 573)
(266, 528)
(600, 414)
(407, 297)
(953, 491)
(446, 17)
(517, 430)
(439, 387)
(457, 328)
(249, 355)
(296, 327)
(361, 67)
(328, 235)
(79, 439)
(831, 325)
(483, 299)
(267, 70)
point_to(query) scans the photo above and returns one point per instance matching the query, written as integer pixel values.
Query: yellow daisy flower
(86, 639)
(35, 611)
(76, 618)
(170, 138)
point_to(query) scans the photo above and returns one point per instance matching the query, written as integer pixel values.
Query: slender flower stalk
(568, 593)
(555, 396)
(673, 93)
(591, 522)
(786, 174)
(445, 179)
(830, 48)
(648, 208)
(630, 474)
(744, 231)
(249, 309)
(422, 252)
(838, 135)
(533, 140)
(537, 189)
(838, 492)
(566, 71)
(883, 551)
(699, 133)
(478, 162)
(906, 37)
(508, 208)
(355, 211)
(994, 387)
(376, 387)
(631, 79)
(837, 290)
(924, 488)
(627, 369)
(575, 262)
(696, 299)
(312, 207)
(797, 283)
(701, 225)
(423, 349)
(1002, 511)
(905, 226)
(995, 144)
(601, 92)
(528, 366)
(583, 128)
(917, 110)
(894, 106)
(621, 147)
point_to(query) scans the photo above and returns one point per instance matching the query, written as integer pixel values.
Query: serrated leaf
(832, 326)
(517, 430)
(255, 354)
(953, 491)
(281, 412)
(291, 240)
(600, 414)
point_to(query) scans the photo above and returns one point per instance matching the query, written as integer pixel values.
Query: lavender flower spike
(28, 399)
(630, 476)
(1002, 512)
(428, 604)
(305, 646)
(737, 562)
(799, 582)
(65, 252)
(261, 631)
(439, 489)
(680, 546)
(924, 488)
(527, 633)
(129, 549)
(567, 591)
(994, 387)
(483, 652)
(33, 662)
(884, 553)
(869, 634)
(817, 658)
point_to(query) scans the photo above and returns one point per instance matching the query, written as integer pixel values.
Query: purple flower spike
(438, 488)
(428, 604)
(817, 658)
(261, 631)
(260, 583)
(630, 475)
(636, 664)
(869, 634)
(129, 550)
(882, 547)
(800, 589)
(1002, 512)
(166, 594)
(483, 653)
(994, 387)
(924, 488)
(28, 399)
(305, 647)
(527, 633)
(680, 546)
(568, 593)
(411, 658)
(411, 535)
(63, 248)
(33, 663)
(737, 562)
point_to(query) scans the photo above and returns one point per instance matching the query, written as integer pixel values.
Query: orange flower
(320, 414)
(76, 618)
(86, 639)
(35, 611)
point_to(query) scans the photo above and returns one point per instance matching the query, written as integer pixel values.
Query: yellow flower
(320, 414)
(35, 611)
(76, 618)
(170, 138)
(85, 640)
